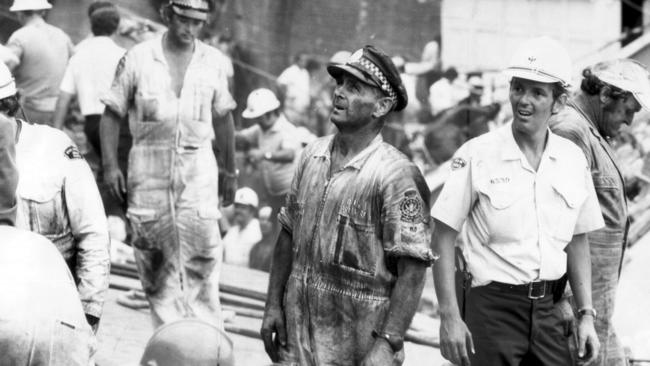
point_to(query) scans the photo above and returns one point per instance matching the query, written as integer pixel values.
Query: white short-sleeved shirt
(515, 222)
(90, 72)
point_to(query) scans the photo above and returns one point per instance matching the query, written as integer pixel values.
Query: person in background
(91, 70)
(245, 230)
(175, 97)
(59, 199)
(610, 94)
(293, 83)
(42, 51)
(444, 93)
(523, 200)
(271, 144)
(350, 262)
(41, 319)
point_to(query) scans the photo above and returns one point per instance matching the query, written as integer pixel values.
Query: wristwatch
(395, 342)
(587, 311)
(267, 156)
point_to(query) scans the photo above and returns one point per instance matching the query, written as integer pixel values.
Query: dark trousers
(510, 329)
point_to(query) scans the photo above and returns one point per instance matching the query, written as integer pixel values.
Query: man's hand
(229, 189)
(115, 180)
(255, 155)
(588, 344)
(455, 341)
(273, 332)
(380, 354)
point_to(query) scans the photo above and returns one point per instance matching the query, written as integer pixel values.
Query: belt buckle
(533, 293)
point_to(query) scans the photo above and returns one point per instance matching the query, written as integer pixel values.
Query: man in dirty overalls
(349, 265)
(176, 100)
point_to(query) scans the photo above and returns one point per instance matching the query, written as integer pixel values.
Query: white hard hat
(22, 5)
(7, 83)
(628, 75)
(541, 59)
(246, 196)
(259, 102)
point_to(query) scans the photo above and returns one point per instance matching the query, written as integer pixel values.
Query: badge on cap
(458, 163)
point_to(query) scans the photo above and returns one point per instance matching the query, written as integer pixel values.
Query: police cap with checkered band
(375, 68)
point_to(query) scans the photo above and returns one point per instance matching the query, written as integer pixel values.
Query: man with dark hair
(90, 71)
(175, 96)
(349, 264)
(610, 94)
(42, 52)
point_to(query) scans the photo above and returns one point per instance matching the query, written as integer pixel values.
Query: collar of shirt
(511, 150)
(159, 55)
(356, 162)
(35, 21)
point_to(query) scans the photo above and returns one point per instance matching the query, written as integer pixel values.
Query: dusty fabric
(59, 199)
(348, 230)
(607, 245)
(172, 178)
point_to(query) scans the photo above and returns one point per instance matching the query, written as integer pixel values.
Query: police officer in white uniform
(522, 199)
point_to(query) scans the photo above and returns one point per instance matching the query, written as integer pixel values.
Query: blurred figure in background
(42, 51)
(293, 83)
(245, 230)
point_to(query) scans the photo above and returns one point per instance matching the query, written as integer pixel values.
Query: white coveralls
(59, 199)
(172, 177)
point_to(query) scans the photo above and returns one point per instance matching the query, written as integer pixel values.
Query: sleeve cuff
(284, 220)
(412, 251)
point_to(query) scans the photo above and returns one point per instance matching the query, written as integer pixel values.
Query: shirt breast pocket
(355, 248)
(503, 219)
(43, 210)
(564, 209)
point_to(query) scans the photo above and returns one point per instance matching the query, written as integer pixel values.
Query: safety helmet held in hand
(259, 102)
(541, 59)
(24, 5)
(7, 83)
(189, 342)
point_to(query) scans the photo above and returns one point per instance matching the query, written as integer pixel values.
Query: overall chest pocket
(355, 248)
(43, 210)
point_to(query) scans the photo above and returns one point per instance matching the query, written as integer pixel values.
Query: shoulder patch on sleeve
(458, 163)
(72, 152)
(411, 207)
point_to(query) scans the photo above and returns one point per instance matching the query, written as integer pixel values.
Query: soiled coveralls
(515, 223)
(606, 245)
(59, 199)
(172, 177)
(41, 319)
(348, 231)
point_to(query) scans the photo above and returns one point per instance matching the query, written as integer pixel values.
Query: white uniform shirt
(517, 221)
(90, 72)
(238, 243)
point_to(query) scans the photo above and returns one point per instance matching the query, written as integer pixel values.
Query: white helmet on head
(259, 102)
(24, 5)
(628, 75)
(246, 196)
(541, 59)
(7, 83)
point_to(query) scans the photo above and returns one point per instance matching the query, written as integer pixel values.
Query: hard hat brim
(643, 99)
(251, 113)
(8, 89)
(190, 13)
(25, 8)
(538, 75)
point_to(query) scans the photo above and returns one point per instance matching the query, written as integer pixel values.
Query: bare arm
(455, 338)
(283, 156)
(579, 270)
(61, 110)
(109, 131)
(274, 320)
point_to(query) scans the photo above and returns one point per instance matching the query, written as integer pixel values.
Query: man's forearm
(61, 110)
(444, 270)
(224, 128)
(280, 269)
(406, 295)
(109, 131)
(283, 156)
(579, 270)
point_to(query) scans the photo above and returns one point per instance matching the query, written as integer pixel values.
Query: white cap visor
(250, 113)
(30, 5)
(528, 74)
(8, 89)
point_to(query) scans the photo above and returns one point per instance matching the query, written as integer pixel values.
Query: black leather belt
(533, 290)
